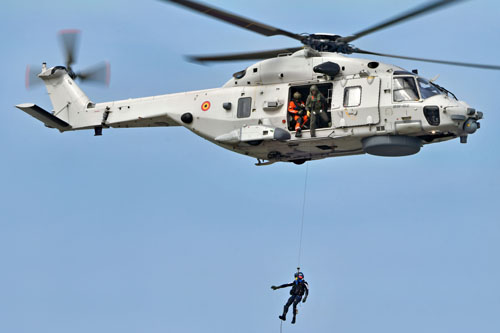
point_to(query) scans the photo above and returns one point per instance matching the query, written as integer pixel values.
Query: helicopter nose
(471, 123)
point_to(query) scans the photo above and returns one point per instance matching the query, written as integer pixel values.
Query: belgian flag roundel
(205, 106)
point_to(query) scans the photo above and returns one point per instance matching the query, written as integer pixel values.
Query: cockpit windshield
(427, 89)
(405, 89)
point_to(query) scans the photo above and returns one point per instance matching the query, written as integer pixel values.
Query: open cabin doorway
(324, 121)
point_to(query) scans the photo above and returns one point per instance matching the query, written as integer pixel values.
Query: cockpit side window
(405, 89)
(427, 89)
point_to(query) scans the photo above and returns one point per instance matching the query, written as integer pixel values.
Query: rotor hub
(327, 43)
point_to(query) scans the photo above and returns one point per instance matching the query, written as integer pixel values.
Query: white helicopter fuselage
(249, 114)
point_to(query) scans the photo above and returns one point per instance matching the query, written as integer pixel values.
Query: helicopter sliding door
(356, 102)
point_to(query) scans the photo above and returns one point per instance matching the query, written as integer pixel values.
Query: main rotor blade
(240, 21)
(69, 42)
(243, 56)
(446, 62)
(99, 73)
(424, 9)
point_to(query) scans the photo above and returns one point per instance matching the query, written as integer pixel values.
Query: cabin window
(244, 107)
(352, 97)
(405, 89)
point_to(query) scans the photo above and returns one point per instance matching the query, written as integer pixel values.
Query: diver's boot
(295, 311)
(283, 317)
(298, 133)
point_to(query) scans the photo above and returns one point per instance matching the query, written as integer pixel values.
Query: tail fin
(66, 97)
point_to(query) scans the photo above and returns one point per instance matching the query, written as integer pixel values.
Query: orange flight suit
(294, 107)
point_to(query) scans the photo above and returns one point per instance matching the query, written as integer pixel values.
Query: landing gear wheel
(299, 162)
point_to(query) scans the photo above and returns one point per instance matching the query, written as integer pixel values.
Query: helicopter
(369, 106)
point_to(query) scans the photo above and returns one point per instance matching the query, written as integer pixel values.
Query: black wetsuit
(298, 290)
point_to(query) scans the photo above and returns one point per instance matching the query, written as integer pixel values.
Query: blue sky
(157, 230)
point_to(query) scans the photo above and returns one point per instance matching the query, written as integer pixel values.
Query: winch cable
(302, 218)
(304, 197)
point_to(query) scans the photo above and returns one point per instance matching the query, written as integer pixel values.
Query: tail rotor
(31, 78)
(99, 73)
(70, 40)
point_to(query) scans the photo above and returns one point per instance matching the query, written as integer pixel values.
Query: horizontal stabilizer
(45, 117)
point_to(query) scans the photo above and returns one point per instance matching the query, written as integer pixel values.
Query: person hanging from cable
(299, 288)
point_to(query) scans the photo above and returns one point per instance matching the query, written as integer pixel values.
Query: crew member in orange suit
(297, 109)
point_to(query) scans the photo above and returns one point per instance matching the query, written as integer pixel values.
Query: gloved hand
(304, 300)
(308, 114)
(274, 287)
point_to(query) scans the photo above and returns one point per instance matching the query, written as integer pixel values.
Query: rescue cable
(302, 219)
(301, 230)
